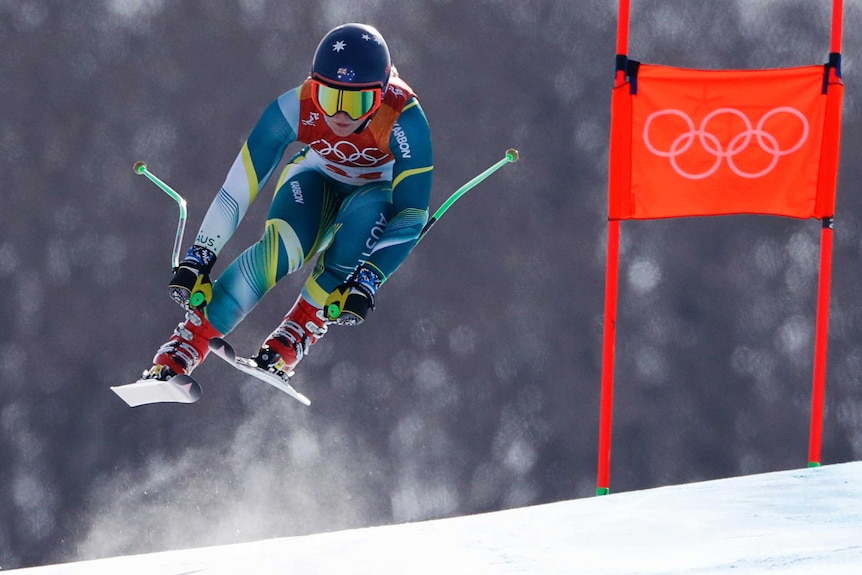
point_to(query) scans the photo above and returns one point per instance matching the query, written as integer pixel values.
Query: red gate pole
(837, 26)
(611, 286)
(821, 331)
(609, 338)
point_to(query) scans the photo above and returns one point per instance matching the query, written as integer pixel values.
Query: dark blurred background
(475, 384)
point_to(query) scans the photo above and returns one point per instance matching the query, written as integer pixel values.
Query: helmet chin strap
(364, 124)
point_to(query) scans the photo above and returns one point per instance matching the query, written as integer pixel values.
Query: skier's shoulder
(398, 92)
(288, 102)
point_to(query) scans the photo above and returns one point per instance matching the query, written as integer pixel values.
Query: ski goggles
(357, 104)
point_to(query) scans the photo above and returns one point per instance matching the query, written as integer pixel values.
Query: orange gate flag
(718, 142)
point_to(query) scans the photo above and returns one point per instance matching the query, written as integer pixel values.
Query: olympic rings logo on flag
(712, 145)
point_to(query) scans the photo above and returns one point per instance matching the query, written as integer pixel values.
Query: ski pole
(141, 169)
(334, 308)
(511, 156)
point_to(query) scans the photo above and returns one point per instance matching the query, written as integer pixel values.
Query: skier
(356, 196)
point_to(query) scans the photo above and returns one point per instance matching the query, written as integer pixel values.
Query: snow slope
(790, 522)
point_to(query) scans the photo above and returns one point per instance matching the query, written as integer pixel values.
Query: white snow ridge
(789, 522)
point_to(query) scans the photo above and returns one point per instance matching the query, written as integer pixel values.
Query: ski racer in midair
(355, 197)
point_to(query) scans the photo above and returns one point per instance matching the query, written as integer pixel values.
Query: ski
(178, 389)
(225, 351)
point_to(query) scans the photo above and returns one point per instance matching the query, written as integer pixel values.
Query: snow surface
(789, 522)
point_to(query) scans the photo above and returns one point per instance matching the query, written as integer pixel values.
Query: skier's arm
(250, 171)
(411, 190)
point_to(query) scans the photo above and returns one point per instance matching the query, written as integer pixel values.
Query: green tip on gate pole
(142, 170)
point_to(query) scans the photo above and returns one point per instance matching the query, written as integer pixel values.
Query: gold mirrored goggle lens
(355, 103)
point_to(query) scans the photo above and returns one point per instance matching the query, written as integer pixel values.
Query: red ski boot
(303, 325)
(186, 349)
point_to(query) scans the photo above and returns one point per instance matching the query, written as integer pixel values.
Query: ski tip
(222, 348)
(179, 389)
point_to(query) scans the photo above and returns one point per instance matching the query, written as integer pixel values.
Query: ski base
(225, 351)
(178, 389)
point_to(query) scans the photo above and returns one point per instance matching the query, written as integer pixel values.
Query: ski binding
(225, 351)
(178, 389)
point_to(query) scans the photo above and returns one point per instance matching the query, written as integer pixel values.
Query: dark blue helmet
(352, 56)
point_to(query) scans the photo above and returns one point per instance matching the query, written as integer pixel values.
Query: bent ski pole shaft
(511, 156)
(334, 308)
(141, 169)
